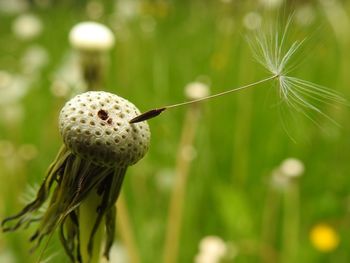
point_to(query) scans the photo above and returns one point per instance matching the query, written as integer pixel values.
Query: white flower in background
(91, 36)
(27, 26)
(188, 152)
(196, 90)
(164, 179)
(127, 9)
(94, 9)
(305, 15)
(292, 167)
(272, 4)
(34, 59)
(67, 80)
(6, 255)
(92, 40)
(252, 20)
(148, 25)
(226, 25)
(118, 254)
(27, 151)
(212, 249)
(12, 114)
(12, 88)
(289, 169)
(338, 18)
(13, 7)
(6, 148)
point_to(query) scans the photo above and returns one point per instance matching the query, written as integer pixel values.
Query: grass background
(160, 47)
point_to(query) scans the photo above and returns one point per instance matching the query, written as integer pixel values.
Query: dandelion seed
(271, 52)
(303, 96)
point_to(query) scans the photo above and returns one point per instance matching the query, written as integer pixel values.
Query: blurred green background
(231, 193)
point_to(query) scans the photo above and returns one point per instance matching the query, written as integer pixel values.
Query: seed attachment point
(147, 115)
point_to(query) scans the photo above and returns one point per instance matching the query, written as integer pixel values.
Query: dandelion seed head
(91, 36)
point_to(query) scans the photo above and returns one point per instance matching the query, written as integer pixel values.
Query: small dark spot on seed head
(102, 114)
(110, 121)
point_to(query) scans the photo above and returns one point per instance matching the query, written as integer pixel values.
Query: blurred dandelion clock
(91, 36)
(292, 167)
(92, 41)
(212, 249)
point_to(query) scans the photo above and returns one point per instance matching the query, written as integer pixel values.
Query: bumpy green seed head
(95, 126)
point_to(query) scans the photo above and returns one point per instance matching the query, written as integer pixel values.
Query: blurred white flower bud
(292, 167)
(27, 26)
(272, 4)
(252, 20)
(91, 36)
(196, 90)
(212, 249)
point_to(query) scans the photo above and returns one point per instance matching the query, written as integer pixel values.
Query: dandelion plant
(87, 174)
(103, 134)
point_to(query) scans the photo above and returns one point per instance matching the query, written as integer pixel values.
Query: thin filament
(155, 112)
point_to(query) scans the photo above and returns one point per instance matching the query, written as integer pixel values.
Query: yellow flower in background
(324, 237)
